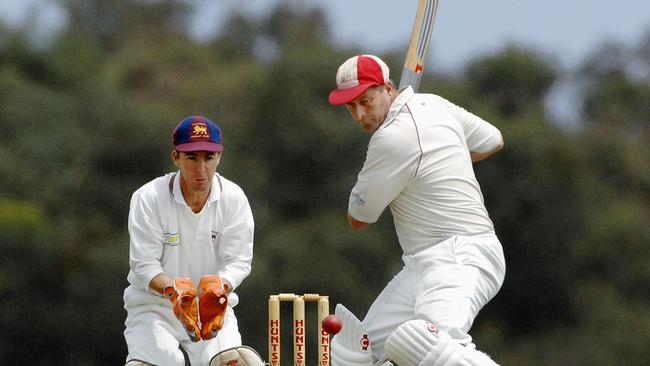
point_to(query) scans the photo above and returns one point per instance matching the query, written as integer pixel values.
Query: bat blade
(418, 44)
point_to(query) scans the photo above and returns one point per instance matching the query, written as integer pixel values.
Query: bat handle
(410, 77)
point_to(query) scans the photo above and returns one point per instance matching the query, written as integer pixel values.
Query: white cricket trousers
(446, 284)
(153, 336)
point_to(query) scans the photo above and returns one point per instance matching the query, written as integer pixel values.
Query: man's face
(371, 108)
(197, 170)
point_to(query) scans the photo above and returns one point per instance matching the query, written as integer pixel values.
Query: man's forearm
(478, 156)
(159, 282)
(356, 224)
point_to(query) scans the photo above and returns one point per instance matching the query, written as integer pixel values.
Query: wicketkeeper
(419, 163)
(191, 245)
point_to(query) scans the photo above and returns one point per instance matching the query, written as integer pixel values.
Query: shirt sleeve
(391, 161)
(480, 135)
(236, 244)
(146, 247)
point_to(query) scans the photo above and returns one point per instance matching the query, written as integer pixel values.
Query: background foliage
(87, 119)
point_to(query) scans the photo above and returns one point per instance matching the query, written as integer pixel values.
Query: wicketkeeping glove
(213, 302)
(183, 297)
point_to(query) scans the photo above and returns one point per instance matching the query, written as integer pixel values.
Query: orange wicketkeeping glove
(183, 297)
(212, 305)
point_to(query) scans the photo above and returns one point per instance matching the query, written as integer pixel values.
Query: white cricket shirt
(418, 163)
(166, 236)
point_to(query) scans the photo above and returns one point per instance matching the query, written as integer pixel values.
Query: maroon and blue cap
(197, 133)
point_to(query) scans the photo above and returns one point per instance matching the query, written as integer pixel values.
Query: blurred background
(90, 91)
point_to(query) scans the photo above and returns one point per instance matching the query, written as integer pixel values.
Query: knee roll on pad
(242, 356)
(420, 343)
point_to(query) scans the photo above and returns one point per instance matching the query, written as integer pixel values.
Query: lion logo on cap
(200, 130)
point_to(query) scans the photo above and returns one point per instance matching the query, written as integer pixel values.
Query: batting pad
(240, 356)
(418, 342)
(351, 345)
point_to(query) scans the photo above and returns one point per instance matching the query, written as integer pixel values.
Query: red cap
(356, 75)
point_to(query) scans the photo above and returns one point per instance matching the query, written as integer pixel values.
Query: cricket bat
(418, 44)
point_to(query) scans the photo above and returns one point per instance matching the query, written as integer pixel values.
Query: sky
(567, 30)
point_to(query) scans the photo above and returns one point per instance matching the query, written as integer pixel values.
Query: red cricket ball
(332, 324)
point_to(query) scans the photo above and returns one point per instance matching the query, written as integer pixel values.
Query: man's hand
(183, 297)
(213, 302)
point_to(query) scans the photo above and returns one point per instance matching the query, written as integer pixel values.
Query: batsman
(419, 163)
(191, 245)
